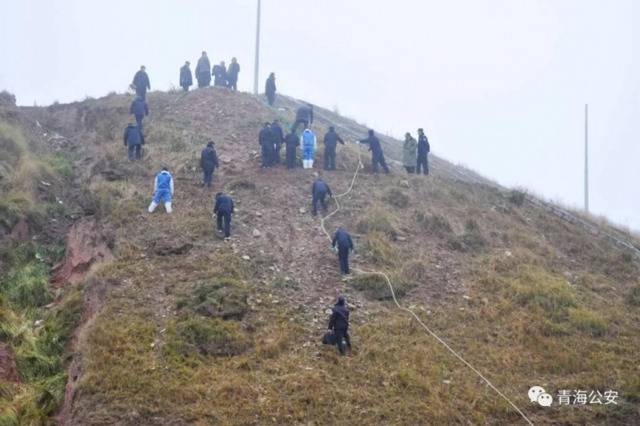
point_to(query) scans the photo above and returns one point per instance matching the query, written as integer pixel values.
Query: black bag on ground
(329, 338)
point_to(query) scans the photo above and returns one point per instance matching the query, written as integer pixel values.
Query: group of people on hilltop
(222, 76)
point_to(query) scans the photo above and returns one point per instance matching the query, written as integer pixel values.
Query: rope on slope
(409, 311)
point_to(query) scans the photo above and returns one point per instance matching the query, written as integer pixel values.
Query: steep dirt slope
(192, 329)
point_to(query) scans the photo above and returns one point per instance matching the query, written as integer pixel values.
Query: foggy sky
(499, 85)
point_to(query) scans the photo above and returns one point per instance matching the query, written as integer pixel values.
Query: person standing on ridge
(203, 71)
(339, 323)
(343, 240)
(270, 89)
(232, 74)
(331, 139)
(141, 82)
(219, 74)
(304, 116)
(377, 156)
(423, 153)
(308, 142)
(278, 139)
(163, 191)
(186, 80)
(223, 210)
(208, 162)
(291, 141)
(409, 156)
(319, 191)
(133, 140)
(139, 109)
(265, 139)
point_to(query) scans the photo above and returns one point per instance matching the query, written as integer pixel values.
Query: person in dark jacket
(278, 140)
(291, 141)
(141, 82)
(208, 162)
(219, 74)
(423, 153)
(139, 109)
(343, 240)
(232, 74)
(304, 116)
(203, 71)
(319, 191)
(270, 89)
(377, 156)
(265, 139)
(331, 139)
(223, 210)
(339, 323)
(133, 140)
(186, 80)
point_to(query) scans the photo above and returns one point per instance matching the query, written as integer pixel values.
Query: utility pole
(257, 64)
(586, 158)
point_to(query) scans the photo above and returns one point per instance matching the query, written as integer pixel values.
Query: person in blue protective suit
(343, 241)
(141, 82)
(339, 323)
(163, 188)
(133, 140)
(319, 192)
(186, 79)
(377, 156)
(308, 142)
(139, 109)
(208, 162)
(223, 210)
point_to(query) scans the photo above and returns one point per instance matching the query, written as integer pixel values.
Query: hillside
(176, 326)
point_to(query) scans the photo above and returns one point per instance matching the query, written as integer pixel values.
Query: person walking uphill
(339, 323)
(423, 153)
(141, 82)
(331, 140)
(208, 162)
(409, 156)
(377, 156)
(270, 89)
(265, 139)
(186, 80)
(163, 191)
(309, 142)
(291, 141)
(139, 109)
(203, 71)
(223, 210)
(133, 140)
(343, 240)
(319, 191)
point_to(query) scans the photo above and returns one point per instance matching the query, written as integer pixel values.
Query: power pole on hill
(257, 64)
(586, 158)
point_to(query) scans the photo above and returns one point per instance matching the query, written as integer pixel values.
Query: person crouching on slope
(308, 142)
(339, 323)
(163, 191)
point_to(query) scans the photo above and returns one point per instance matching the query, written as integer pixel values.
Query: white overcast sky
(499, 85)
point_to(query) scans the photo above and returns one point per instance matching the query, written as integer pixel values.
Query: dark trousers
(142, 92)
(379, 159)
(304, 123)
(329, 157)
(207, 177)
(342, 337)
(271, 98)
(343, 256)
(223, 221)
(232, 83)
(139, 119)
(267, 156)
(319, 197)
(276, 153)
(134, 152)
(422, 161)
(185, 88)
(291, 157)
(410, 169)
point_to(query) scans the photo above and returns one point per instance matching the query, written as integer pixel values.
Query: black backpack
(329, 338)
